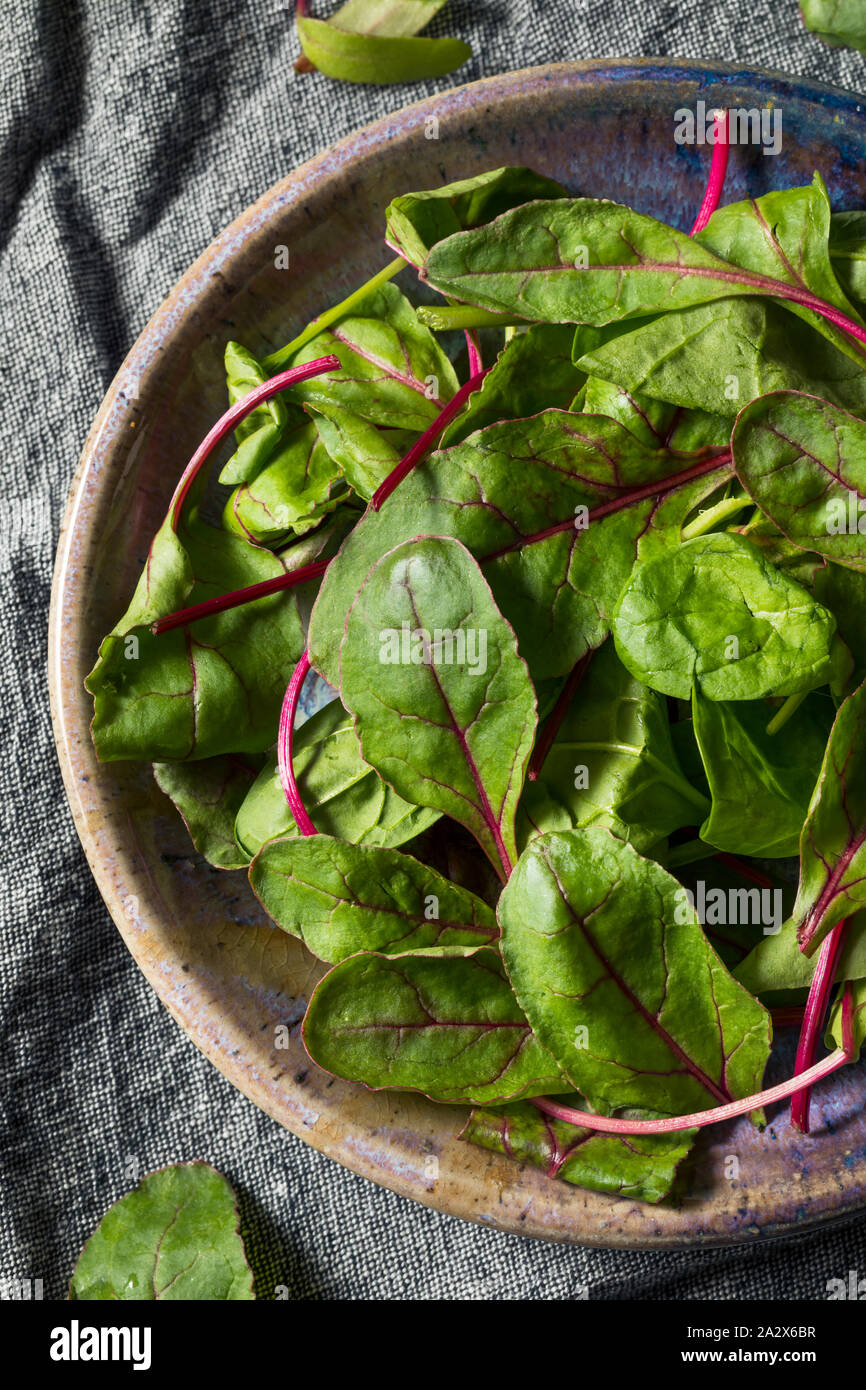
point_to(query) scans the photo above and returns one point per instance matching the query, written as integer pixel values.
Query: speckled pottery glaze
(226, 974)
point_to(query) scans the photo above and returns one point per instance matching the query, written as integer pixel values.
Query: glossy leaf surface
(343, 795)
(443, 705)
(642, 1167)
(717, 613)
(804, 462)
(608, 961)
(833, 839)
(445, 1024)
(175, 1236)
(208, 795)
(342, 898)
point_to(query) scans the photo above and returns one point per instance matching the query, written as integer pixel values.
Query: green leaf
(445, 1024)
(361, 451)
(804, 463)
(834, 1027)
(341, 898)
(761, 784)
(344, 796)
(655, 423)
(175, 1236)
(833, 839)
(839, 23)
(608, 961)
(785, 235)
(841, 590)
(717, 357)
(558, 593)
(260, 431)
(716, 612)
(394, 18)
(639, 1166)
(848, 253)
(299, 485)
(208, 795)
(777, 962)
(647, 419)
(578, 260)
(582, 260)
(443, 705)
(214, 687)
(376, 59)
(392, 370)
(416, 221)
(735, 913)
(612, 764)
(533, 372)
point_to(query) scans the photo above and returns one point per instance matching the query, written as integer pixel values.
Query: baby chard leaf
(804, 463)
(342, 898)
(642, 1167)
(344, 796)
(208, 795)
(498, 489)
(717, 357)
(445, 1024)
(761, 783)
(392, 370)
(612, 764)
(777, 963)
(378, 58)
(785, 235)
(533, 372)
(416, 221)
(443, 705)
(716, 612)
(835, 1035)
(833, 839)
(298, 485)
(211, 688)
(608, 960)
(258, 434)
(581, 260)
(839, 23)
(364, 453)
(175, 1236)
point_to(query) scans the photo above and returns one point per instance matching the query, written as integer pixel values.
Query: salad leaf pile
(592, 615)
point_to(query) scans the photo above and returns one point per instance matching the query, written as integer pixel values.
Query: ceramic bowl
(226, 974)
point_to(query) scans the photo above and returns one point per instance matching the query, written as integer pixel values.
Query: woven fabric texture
(132, 133)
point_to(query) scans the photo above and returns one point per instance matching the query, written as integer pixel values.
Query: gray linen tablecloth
(132, 134)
